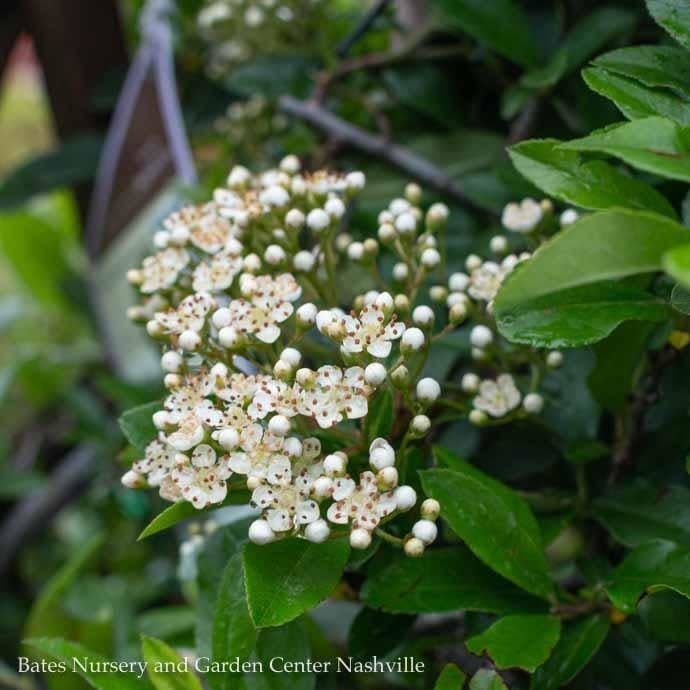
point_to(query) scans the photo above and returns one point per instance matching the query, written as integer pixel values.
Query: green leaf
(75, 161)
(652, 144)
(666, 616)
(641, 513)
(674, 16)
(234, 634)
(272, 76)
(444, 580)
(659, 66)
(36, 251)
(636, 100)
(167, 621)
(594, 185)
(303, 572)
(137, 424)
(494, 522)
(653, 566)
(486, 679)
(178, 512)
(157, 655)
(67, 652)
(589, 35)
(618, 360)
(578, 644)
(375, 633)
(523, 641)
(450, 678)
(598, 247)
(290, 642)
(677, 264)
(500, 24)
(680, 296)
(578, 316)
(380, 417)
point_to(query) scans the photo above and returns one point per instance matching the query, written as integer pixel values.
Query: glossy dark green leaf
(178, 512)
(636, 100)
(662, 66)
(158, 657)
(653, 144)
(641, 512)
(680, 298)
(234, 634)
(587, 37)
(666, 615)
(677, 264)
(302, 572)
(496, 523)
(521, 641)
(651, 567)
(74, 161)
(375, 633)
(167, 621)
(674, 16)
(137, 424)
(601, 246)
(578, 316)
(594, 185)
(501, 25)
(487, 679)
(291, 644)
(579, 642)
(618, 361)
(444, 580)
(450, 678)
(66, 652)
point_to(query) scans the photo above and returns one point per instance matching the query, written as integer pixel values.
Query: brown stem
(399, 156)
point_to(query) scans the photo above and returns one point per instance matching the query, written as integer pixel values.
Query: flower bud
(533, 403)
(423, 316)
(413, 193)
(318, 220)
(406, 223)
(279, 425)
(420, 425)
(405, 497)
(261, 533)
(306, 377)
(135, 277)
(387, 478)
(172, 362)
(375, 374)
(189, 340)
(438, 293)
(172, 381)
(478, 417)
(335, 208)
(436, 216)
(386, 233)
(355, 251)
(322, 487)
(400, 272)
(481, 336)
(457, 313)
(430, 258)
(428, 390)
(294, 219)
(400, 376)
(334, 465)
(412, 340)
(470, 383)
(498, 244)
(472, 262)
(306, 315)
(554, 359)
(430, 509)
(371, 247)
(381, 454)
(402, 304)
(133, 480)
(414, 548)
(360, 538)
(304, 261)
(228, 337)
(425, 530)
(160, 419)
(317, 531)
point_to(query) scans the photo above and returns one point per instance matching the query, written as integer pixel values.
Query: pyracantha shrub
(275, 384)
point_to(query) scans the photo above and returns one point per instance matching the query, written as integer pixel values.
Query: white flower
(335, 394)
(238, 176)
(425, 530)
(481, 336)
(375, 374)
(370, 332)
(258, 450)
(381, 454)
(273, 396)
(160, 271)
(522, 217)
(428, 390)
(190, 315)
(362, 505)
(318, 220)
(286, 504)
(423, 315)
(413, 340)
(497, 398)
(533, 403)
(568, 217)
(157, 463)
(202, 481)
(486, 280)
(210, 233)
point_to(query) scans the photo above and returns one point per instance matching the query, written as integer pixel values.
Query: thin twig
(415, 165)
(374, 12)
(524, 124)
(73, 474)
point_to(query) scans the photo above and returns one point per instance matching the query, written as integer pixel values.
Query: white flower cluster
(243, 408)
(496, 397)
(238, 30)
